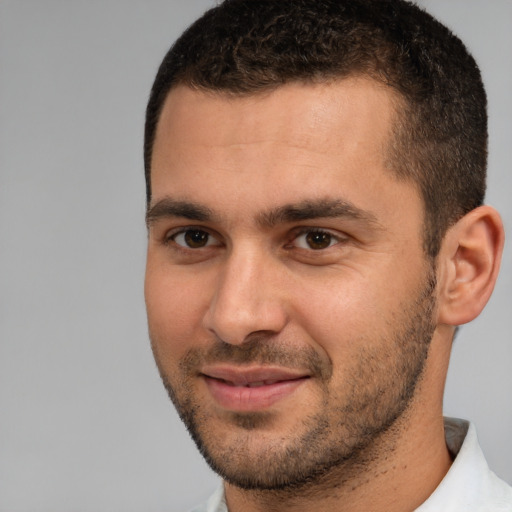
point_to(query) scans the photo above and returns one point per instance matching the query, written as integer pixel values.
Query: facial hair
(376, 391)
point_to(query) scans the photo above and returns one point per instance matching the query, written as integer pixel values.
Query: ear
(468, 265)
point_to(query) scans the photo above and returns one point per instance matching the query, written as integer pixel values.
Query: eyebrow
(293, 212)
(315, 209)
(168, 207)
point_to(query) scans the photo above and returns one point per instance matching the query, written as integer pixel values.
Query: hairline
(399, 103)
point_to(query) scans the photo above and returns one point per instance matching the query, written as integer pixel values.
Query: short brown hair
(440, 136)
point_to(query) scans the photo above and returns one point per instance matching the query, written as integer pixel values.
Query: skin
(238, 285)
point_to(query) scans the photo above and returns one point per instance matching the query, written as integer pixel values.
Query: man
(315, 181)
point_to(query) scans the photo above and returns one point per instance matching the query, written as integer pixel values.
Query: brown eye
(318, 240)
(193, 239)
(196, 238)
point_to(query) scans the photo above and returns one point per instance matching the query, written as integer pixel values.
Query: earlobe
(470, 258)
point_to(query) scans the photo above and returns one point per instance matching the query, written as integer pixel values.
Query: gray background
(85, 424)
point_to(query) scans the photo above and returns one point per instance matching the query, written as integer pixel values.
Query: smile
(246, 390)
(254, 384)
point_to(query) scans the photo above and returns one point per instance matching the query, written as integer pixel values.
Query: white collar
(469, 485)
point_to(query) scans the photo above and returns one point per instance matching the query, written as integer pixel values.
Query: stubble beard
(341, 439)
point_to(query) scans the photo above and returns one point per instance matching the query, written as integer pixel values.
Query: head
(440, 130)
(308, 162)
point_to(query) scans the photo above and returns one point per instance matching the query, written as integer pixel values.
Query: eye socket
(316, 240)
(193, 238)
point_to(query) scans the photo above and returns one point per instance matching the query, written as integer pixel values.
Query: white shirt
(469, 485)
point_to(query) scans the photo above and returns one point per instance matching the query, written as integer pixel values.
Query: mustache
(258, 350)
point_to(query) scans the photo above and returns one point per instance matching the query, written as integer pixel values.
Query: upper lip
(245, 376)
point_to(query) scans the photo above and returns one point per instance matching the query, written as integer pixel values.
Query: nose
(247, 298)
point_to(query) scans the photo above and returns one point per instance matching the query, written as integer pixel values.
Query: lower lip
(245, 399)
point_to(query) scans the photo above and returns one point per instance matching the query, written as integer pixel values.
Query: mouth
(251, 389)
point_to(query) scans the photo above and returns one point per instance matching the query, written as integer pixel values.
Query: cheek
(175, 308)
(343, 316)
(336, 318)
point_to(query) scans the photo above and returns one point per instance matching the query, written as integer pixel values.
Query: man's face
(289, 300)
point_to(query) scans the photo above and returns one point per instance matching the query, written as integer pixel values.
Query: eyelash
(170, 237)
(334, 238)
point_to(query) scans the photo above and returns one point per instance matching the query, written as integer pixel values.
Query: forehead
(296, 142)
(291, 113)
